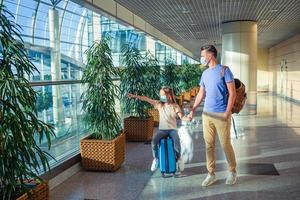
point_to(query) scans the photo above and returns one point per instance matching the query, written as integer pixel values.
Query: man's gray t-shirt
(216, 93)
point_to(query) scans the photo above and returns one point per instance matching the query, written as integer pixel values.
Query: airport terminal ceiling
(193, 23)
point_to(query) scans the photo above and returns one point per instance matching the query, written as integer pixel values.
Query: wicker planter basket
(197, 89)
(138, 130)
(155, 114)
(180, 100)
(40, 192)
(193, 92)
(102, 155)
(186, 96)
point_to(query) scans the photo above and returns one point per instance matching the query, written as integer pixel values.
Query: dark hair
(169, 91)
(210, 48)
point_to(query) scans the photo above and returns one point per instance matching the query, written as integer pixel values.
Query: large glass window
(160, 52)
(121, 35)
(60, 105)
(57, 40)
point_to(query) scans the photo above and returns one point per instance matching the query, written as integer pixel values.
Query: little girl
(168, 110)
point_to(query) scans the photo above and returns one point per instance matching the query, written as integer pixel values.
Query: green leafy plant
(21, 158)
(196, 73)
(101, 91)
(138, 77)
(44, 101)
(189, 76)
(170, 76)
(152, 76)
(184, 77)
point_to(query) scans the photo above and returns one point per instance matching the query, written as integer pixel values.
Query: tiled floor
(267, 151)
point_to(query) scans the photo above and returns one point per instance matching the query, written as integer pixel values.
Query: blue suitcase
(167, 160)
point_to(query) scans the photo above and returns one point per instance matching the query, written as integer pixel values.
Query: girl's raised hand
(130, 95)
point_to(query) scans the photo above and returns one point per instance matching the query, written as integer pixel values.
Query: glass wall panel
(60, 55)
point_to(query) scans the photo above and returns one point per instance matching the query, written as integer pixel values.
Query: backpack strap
(223, 70)
(223, 76)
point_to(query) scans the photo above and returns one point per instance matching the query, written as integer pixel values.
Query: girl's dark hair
(210, 48)
(169, 91)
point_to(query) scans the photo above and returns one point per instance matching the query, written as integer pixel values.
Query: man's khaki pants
(214, 123)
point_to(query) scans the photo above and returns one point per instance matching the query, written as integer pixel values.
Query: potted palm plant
(195, 78)
(170, 77)
(185, 75)
(139, 125)
(152, 79)
(189, 80)
(104, 150)
(21, 132)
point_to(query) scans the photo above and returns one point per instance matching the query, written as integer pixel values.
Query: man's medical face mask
(202, 61)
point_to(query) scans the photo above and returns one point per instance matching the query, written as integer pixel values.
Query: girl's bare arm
(143, 98)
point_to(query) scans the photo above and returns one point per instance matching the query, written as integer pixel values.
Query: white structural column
(239, 52)
(54, 34)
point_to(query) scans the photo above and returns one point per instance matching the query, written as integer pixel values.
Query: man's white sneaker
(154, 165)
(180, 164)
(210, 179)
(231, 178)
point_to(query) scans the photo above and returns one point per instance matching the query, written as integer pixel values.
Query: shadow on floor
(242, 168)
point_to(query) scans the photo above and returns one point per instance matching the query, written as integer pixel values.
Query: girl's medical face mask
(163, 99)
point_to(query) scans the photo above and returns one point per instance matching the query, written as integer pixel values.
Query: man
(219, 94)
